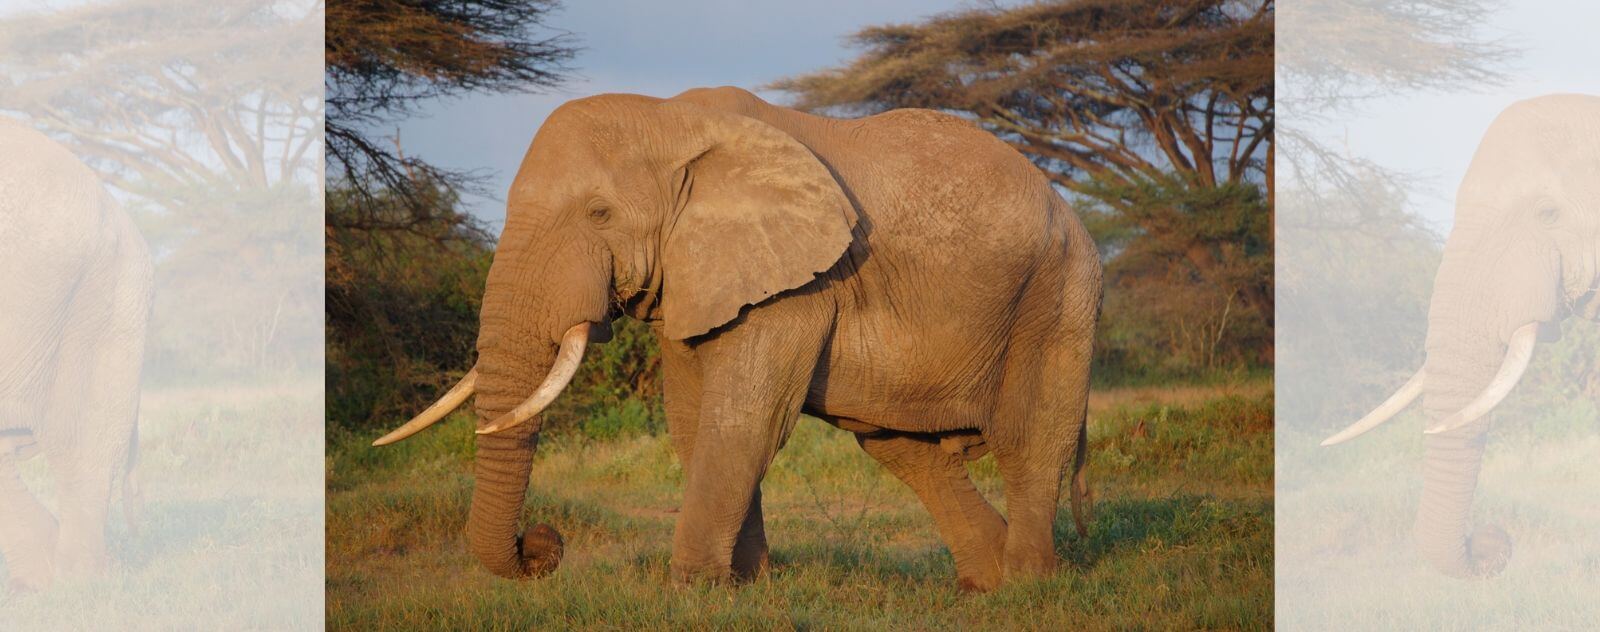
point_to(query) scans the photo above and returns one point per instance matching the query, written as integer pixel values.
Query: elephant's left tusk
(437, 411)
(566, 365)
(1518, 353)
(1383, 412)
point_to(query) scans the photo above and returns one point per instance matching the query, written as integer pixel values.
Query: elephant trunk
(519, 364)
(1480, 299)
(502, 465)
(501, 473)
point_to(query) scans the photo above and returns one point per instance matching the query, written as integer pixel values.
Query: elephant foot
(977, 583)
(541, 549)
(27, 585)
(688, 574)
(749, 567)
(1488, 551)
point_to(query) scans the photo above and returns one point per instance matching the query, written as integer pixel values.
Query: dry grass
(1181, 537)
(232, 531)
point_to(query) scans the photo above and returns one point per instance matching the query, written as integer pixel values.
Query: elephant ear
(758, 215)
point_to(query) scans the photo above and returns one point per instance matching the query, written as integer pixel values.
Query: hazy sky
(1433, 135)
(653, 48)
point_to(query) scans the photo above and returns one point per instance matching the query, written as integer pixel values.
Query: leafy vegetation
(1181, 536)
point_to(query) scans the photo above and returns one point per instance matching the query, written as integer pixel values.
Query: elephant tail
(1082, 500)
(132, 495)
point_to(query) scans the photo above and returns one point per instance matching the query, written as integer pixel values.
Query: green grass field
(1181, 537)
(1345, 557)
(231, 534)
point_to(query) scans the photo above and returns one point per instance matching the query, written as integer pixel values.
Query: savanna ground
(231, 531)
(1344, 553)
(1181, 536)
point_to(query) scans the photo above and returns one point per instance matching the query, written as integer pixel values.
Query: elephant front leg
(750, 550)
(753, 383)
(682, 395)
(27, 532)
(719, 536)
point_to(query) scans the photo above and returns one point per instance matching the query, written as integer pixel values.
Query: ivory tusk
(568, 357)
(1518, 353)
(451, 400)
(1384, 412)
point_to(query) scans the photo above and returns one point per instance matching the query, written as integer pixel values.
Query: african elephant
(1522, 256)
(906, 277)
(75, 279)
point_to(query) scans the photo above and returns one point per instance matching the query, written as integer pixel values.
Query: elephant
(75, 291)
(1522, 256)
(906, 277)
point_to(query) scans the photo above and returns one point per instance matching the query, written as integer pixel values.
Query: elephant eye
(1549, 214)
(599, 214)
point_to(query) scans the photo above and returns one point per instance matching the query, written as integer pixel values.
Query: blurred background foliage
(209, 131)
(1153, 117)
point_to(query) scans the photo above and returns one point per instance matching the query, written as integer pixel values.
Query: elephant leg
(752, 386)
(27, 531)
(682, 403)
(93, 411)
(84, 491)
(750, 549)
(969, 525)
(1035, 443)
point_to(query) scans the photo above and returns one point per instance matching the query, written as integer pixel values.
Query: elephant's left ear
(758, 214)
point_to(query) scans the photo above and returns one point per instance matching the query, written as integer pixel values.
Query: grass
(1345, 558)
(231, 536)
(1181, 537)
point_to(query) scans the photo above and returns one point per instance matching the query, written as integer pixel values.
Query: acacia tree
(1157, 115)
(1341, 54)
(386, 58)
(206, 117)
(1104, 95)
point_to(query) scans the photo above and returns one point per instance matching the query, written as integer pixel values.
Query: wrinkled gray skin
(906, 277)
(1523, 250)
(74, 297)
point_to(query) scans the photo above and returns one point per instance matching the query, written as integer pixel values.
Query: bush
(1188, 281)
(402, 325)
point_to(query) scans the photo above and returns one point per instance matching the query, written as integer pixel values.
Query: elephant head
(660, 209)
(1522, 256)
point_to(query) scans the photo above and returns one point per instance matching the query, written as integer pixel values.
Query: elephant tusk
(1518, 353)
(568, 357)
(1384, 412)
(451, 400)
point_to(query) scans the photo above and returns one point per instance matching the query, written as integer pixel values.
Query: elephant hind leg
(27, 531)
(969, 525)
(1037, 440)
(93, 410)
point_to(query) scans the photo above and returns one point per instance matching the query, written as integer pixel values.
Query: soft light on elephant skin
(75, 280)
(1524, 254)
(907, 277)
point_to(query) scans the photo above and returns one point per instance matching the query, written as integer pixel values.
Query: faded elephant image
(792, 263)
(75, 290)
(1524, 255)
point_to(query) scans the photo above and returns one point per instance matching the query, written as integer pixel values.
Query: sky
(652, 48)
(1433, 136)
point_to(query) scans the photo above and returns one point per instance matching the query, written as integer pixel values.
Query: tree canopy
(206, 117)
(1157, 116)
(385, 58)
(1104, 95)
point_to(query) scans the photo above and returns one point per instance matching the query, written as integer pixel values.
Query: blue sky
(653, 48)
(1433, 136)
